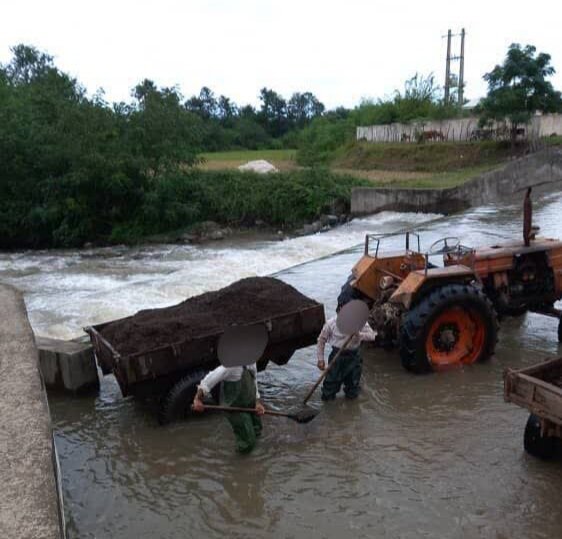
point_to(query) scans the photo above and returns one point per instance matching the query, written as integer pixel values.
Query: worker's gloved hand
(198, 405)
(260, 410)
(321, 364)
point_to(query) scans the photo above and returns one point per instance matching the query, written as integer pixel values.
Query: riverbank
(171, 200)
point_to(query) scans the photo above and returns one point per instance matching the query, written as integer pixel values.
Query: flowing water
(415, 456)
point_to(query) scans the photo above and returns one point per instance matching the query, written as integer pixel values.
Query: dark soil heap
(243, 302)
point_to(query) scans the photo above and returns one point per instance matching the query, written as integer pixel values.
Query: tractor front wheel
(454, 324)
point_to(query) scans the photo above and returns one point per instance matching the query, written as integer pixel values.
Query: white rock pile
(260, 166)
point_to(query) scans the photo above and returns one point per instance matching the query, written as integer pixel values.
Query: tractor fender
(418, 283)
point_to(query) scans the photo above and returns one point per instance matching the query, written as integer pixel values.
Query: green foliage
(160, 129)
(319, 141)
(71, 166)
(518, 88)
(280, 199)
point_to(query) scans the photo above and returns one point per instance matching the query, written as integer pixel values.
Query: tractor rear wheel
(453, 325)
(542, 447)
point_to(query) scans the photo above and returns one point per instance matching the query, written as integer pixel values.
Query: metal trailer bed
(155, 371)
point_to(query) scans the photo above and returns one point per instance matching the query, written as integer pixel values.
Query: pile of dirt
(243, 302)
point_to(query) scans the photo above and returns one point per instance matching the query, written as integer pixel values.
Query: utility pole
(461, 71)
(448, 68)
(454, 81)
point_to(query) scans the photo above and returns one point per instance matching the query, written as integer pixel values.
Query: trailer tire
(454, 324)
(176, 403)
(542, 447)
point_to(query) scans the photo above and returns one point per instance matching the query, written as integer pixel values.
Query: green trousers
(246, 426)
(347, 371)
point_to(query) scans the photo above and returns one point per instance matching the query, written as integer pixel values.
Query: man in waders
(240, 389)
(348, 369)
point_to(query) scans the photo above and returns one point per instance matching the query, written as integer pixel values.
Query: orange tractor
(444, 316)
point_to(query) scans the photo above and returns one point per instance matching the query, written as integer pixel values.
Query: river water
(415, 456)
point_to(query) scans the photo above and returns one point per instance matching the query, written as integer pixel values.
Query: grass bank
(434, 158)
(417, 180)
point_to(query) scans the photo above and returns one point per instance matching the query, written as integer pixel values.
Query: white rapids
(66, 290)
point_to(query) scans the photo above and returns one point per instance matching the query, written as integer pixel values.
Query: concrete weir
(541, 168)
(30, 499)
(67, 365)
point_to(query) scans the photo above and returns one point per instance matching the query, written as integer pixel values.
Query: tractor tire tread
(416, 321)
(175, 402)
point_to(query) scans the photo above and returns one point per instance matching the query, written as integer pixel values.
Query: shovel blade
(306, 415)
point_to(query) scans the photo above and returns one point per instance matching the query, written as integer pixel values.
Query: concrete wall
(455, 130)
(67, 365)
(541, 168)
(30, 499)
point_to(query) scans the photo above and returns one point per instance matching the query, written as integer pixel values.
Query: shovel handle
(327, 369)
(238, 409)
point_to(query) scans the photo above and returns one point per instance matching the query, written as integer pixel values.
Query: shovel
(302, 416)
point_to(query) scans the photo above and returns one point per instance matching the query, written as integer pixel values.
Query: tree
(204, 105)
(28, 64)
(161, 130)
(420, 88)
(303, 107)
(226, 108)
(518, 88)
(420, 98)
(273, 113)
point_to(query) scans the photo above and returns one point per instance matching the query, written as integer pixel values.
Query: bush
(319, 141)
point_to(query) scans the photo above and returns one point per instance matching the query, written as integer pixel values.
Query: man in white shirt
(239, 389)
(348, 369)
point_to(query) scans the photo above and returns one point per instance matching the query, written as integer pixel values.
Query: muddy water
(431, 456)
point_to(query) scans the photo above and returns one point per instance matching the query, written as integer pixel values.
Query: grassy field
(437, 166)
(282, 159)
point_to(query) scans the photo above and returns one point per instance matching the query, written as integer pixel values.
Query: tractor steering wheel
(444, 245)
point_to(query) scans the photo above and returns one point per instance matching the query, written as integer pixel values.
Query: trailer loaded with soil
(539, 389)
(166, 352)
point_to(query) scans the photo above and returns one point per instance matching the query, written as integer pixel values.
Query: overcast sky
(340, 50)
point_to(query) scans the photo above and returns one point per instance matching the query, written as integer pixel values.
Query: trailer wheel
(453, 325)
(176, 403)
(542, 447)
